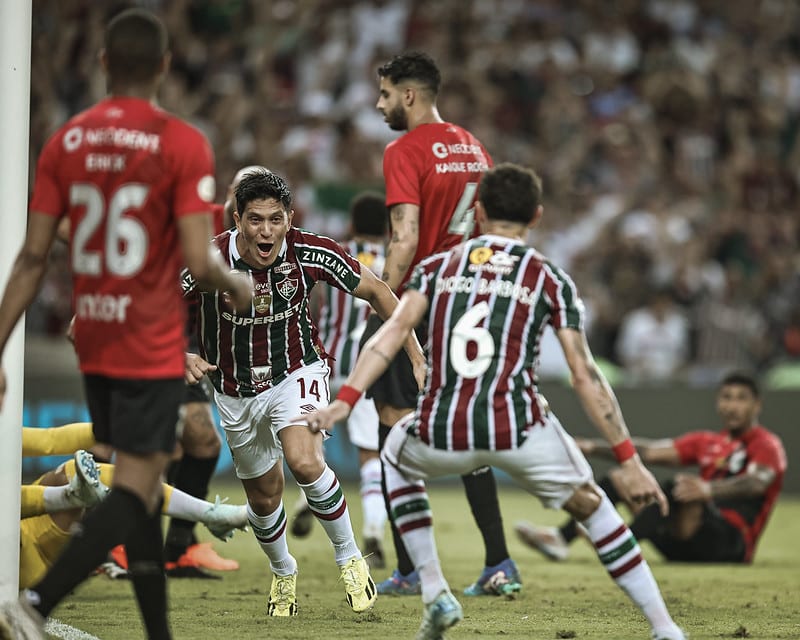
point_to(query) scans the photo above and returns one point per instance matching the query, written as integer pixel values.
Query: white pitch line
(65, 632)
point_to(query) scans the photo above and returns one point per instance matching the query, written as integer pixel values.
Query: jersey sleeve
(401, 176)
(768, 452)
(690, 446)
(567, 311)
(194, 170)
(47, 197)
(324, 259)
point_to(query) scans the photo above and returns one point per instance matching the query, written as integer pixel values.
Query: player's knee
(584, 502)
(306, 469)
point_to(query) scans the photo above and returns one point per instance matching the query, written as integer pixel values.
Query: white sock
(413, 519)
(622, 557)
(372, 504)
(270, 532)
(59, 499)
(327, 503)
(182, 505)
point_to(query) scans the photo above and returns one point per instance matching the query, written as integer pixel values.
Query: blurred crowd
(667, 133)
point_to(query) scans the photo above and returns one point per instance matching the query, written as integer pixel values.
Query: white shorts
(252, 424)
(362, 425)
(548, 465)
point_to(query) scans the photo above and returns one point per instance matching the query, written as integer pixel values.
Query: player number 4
(462, 222)
(465, 333)
(126, 241)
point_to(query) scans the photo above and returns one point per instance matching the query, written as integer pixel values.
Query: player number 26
(465, 333)
(126, 241)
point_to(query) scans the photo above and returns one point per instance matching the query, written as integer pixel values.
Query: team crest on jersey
(262, 302)
(287, 288)
(480, 255)
(285, 268)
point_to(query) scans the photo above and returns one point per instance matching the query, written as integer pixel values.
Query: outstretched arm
(384, 302)
(373, 360)
(601, 405)
(651, 451)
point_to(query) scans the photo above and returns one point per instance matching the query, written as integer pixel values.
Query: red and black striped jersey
(490, 300)
(256, 350)
(342, 317)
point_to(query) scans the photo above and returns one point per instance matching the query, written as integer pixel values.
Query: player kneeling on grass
(486, 303)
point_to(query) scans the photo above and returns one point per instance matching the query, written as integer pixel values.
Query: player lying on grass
(55, 502)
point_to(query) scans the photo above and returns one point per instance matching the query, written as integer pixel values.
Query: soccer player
(341, 322)
(716, 516)
(137, 184)
(431, 174)
(45, 525)
(199, 448)
(267, 364)
(487, 303)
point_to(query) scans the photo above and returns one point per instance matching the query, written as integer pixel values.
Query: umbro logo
(307, 408)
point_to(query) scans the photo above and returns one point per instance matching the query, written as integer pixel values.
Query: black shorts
(195, 393)
(717, 540)
(397, 386)
(135, 416)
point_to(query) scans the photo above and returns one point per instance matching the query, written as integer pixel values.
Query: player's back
(489, 302)
(437, 167)
(124, 171)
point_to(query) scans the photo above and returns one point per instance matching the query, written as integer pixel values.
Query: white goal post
(15, 85)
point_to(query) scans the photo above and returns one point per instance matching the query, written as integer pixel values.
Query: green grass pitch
(573, 599)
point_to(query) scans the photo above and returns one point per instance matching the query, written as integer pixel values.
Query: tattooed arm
(590, 384)
(638, 484)
(402, 245)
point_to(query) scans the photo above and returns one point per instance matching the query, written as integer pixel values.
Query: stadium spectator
(653, 341)
(717, 515)
(267, 364)
(431, 174)
(698, 99)
(122, 156)
(486, 302)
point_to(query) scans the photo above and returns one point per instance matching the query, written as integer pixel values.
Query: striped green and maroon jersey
(343, 317)
(490, 300)
(256, 350)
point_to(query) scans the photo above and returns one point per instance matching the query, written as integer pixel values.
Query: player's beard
(397, 119)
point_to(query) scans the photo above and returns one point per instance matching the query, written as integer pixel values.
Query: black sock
(481, 490)
(404, 564)
(103, 528)
(193, 477)
(146, 570)
(569, 530)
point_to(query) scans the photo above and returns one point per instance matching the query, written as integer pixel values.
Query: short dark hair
(743, 379)
(135, 44)
(510, 192)
(369, 214)
(261, 184)
(413, 65)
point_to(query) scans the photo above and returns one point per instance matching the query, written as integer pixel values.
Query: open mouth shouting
(264, 249)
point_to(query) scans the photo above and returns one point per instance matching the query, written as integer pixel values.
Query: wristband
(624, 450)
(349, 395)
